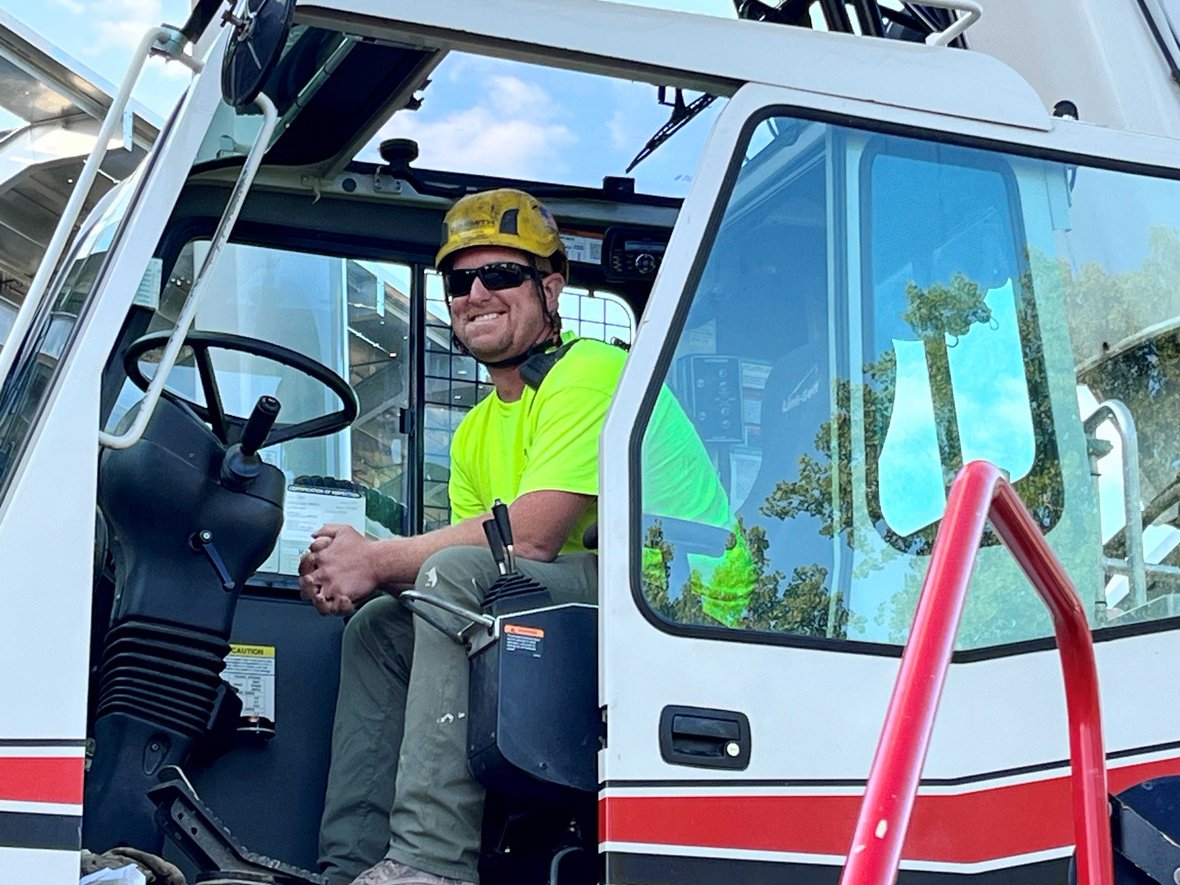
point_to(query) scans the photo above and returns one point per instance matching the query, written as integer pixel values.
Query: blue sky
(565, 127)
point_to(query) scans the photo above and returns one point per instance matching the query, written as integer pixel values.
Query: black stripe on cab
(24, 829)
(624, 868)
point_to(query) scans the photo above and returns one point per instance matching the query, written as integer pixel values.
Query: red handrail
(980, 492)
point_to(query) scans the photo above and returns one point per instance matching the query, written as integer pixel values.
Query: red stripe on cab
(53, 779)
(969, 827)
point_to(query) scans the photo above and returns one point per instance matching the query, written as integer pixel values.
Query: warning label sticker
(250, 669)
(526, 639)
(581, 248)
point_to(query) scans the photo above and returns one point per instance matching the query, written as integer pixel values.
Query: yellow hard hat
(503, 217)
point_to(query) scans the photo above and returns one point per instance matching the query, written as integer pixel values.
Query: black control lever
(202, 542)
(241, 464)
(496, 543)
(258, 425)
(504, 524)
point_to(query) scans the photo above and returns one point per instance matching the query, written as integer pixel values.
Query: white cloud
(637, 115)
(507, 118)
(511, 95)
(482, 141)
(96, 27)
(509, 130)
(459, 66)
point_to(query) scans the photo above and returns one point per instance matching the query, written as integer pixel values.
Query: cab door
(49, 424)
(856, 302)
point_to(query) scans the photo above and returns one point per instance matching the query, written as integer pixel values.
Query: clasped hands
(336, 572)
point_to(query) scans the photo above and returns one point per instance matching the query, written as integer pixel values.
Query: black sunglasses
(495, 276)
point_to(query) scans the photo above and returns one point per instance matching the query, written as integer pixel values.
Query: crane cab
(892, 260)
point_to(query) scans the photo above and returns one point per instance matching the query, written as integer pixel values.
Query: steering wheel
(228, 428)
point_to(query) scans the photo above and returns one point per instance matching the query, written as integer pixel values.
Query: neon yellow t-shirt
(548, 441)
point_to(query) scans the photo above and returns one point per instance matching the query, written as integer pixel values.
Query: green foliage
(939, 311)
(656, 576)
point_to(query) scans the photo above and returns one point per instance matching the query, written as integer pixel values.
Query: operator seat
(796, 423)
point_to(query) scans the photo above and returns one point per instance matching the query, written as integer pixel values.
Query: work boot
(390, 872)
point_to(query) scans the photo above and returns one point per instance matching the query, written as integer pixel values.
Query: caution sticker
(250, 669)
(521, 638)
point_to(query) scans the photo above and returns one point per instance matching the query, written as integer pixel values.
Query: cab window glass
(28, 384)
(1121, 281)
(872, 313)
(949, 339)
(351, 316)
(751, 376)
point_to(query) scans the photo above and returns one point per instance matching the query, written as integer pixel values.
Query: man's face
(501, 323)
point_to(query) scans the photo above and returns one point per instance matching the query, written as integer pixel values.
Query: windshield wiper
(682, 112)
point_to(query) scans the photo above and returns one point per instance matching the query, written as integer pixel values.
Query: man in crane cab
(401, 806)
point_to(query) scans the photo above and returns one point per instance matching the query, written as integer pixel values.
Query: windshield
(495, 117)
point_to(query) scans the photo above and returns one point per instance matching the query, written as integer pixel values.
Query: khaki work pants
(398, 786)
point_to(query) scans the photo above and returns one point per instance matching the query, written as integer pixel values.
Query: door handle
(705, 738)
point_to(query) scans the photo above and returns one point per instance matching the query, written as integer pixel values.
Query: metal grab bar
(1117, 413)
(188, 312)
(979, 493)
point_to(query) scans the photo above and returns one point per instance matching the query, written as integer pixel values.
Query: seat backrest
(795, 407)
(796, 416)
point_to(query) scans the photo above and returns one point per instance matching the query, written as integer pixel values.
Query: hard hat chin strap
(514, 361)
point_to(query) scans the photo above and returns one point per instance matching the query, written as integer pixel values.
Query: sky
(538, 136)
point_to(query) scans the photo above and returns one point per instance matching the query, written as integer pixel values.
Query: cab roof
(397, 43)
